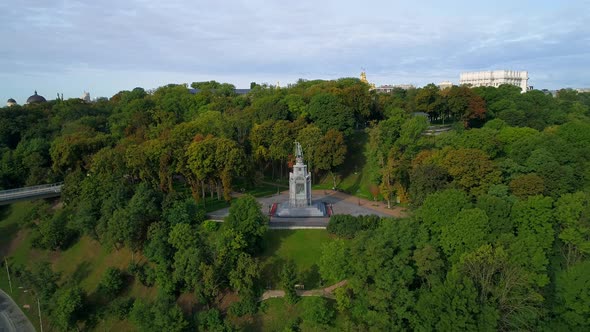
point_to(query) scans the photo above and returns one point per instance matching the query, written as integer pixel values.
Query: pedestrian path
(327, 292)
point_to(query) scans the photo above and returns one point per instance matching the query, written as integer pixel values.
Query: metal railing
(10, 194)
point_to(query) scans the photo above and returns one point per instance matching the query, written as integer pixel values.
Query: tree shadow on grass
(272, 241)
(311, 277)
(270, 275)
(82, 271)
(7, 233)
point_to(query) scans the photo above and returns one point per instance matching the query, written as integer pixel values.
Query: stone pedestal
(300, 203)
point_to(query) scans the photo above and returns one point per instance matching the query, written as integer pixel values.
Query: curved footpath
(12, 319)
(327, 292)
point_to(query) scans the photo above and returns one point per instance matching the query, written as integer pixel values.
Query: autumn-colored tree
(527, 185)
(471, 169)
(464, 104)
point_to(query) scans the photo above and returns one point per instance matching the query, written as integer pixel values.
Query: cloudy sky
(104, 46)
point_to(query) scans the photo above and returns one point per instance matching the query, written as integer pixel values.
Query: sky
(105, 46)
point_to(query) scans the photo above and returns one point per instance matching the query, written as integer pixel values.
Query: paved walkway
(341, 204)
(12, 319)
(327, 292)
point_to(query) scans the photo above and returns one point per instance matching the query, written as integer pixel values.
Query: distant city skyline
(103, 47)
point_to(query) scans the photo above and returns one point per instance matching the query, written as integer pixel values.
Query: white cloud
(235, 40)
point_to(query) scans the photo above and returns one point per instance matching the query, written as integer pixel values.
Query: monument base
(316, 209)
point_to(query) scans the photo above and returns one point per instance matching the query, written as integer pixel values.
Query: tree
(68, 308)
(317, 311)
(571, 213)
(112, 282)
(189, 255)
(211, 320)
(310, 138)
(533, 219)
(333, 263)
(448, 306)
(244, 275)
(472, 170)
(331, 152)
(53, 233)
(128, 225)
(429, 264)
(424, 180)
(184, 211)
(381, 275)
(503, 287)
(467, 231)
(465, 104)
(42, 279)
(328, 112)
(573, 295)
(439, 208)
(497, 210)
(216, 160)
(288, 281)
(163, 315)
(429, 101)
(246, 217)
(527, 185)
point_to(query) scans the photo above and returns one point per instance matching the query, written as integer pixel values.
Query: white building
(445, 85)
(496, 78)
(389, 88)
(85, 97)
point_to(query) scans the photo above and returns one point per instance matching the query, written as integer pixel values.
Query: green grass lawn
(277, 315)
(302, 246)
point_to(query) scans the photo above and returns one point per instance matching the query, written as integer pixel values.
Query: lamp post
(8, 273)
(39, 308)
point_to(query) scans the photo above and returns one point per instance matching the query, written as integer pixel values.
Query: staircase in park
(436, 130)
(29, 193)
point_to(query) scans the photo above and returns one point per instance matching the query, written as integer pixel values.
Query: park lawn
(302, 246)
(277, 315)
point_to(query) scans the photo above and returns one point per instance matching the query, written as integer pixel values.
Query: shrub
(210, 226)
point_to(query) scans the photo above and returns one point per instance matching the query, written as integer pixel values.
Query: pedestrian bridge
(28, 193)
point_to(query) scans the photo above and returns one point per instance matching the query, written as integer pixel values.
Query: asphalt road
(12, 319)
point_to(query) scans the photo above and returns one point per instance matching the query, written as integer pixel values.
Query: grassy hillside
(353, 175)
(83, 263)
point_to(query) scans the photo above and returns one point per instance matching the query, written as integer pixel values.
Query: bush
(210, 226)
(348, 226)
(344, 226)
(246, 306)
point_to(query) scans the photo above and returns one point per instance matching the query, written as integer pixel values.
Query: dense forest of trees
(498, 239)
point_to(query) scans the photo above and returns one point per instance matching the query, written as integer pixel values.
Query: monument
(300, 203)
